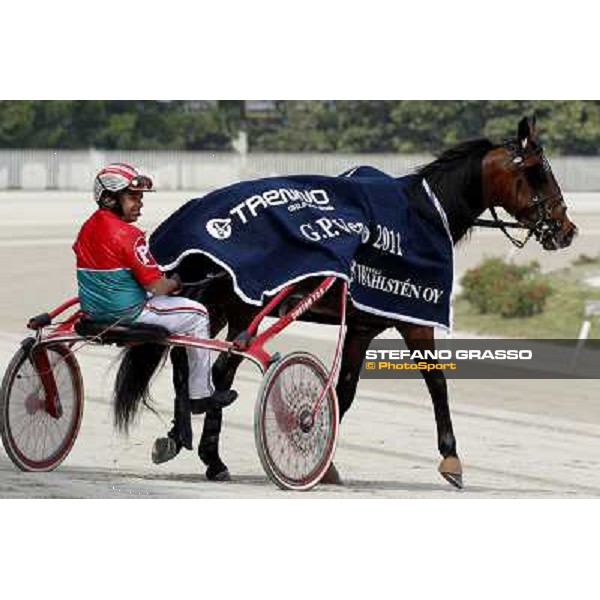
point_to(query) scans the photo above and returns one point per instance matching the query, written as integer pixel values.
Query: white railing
(180, 170)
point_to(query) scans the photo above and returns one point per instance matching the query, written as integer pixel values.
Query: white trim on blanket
(444, 218)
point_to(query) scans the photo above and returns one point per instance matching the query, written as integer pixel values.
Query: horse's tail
(132, 384)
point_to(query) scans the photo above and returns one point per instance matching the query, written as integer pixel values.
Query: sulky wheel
(296, 439)
(41, 406)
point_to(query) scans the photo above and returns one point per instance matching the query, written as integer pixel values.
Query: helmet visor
(141, 183)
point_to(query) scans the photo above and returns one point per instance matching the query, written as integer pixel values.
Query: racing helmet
(115, 178)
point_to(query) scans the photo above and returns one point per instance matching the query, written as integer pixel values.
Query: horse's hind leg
(224, 370)
(208, 449)
(182, 422)
(223, 373)
(356, 344)
(180, 436)
(419, 337)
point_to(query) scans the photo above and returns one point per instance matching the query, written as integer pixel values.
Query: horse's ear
(532, 128)
(524, 133)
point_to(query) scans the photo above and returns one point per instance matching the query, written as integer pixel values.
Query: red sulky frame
(250, 344)
(310, 444)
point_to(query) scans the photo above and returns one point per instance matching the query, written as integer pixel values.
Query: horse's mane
(469, 149)
(455, 177)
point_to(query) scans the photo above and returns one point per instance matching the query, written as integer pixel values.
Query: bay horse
(467, 179)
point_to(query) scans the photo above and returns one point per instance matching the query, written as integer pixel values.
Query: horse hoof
(331, 477)
(218, 472)
(451, 470)
(164, 449)
(454, 479)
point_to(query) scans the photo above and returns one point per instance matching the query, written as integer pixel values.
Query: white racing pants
(184, 316)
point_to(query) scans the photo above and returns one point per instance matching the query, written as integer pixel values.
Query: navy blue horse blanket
(387, 237)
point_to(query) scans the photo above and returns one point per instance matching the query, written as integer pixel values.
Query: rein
(541, 227)
(497, 223)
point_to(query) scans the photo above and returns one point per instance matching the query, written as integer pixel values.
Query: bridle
(543, 225)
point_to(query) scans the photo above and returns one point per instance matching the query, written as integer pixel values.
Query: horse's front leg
(420, 337)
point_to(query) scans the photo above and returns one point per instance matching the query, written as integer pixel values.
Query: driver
(120, 282)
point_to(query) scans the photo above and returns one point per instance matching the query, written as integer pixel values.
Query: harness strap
(503, 225)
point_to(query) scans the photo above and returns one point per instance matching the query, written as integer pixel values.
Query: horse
(467, 179)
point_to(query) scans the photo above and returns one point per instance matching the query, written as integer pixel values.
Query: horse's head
(518, 177)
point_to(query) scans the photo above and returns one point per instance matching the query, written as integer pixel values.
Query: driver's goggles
(140, 183)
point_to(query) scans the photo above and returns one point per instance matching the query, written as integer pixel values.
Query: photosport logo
(484, 359)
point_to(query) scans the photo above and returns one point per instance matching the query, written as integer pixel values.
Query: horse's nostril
(567, 238)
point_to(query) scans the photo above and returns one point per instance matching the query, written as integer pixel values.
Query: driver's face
(131, 205)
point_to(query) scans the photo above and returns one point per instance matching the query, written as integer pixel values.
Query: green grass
(561, 318)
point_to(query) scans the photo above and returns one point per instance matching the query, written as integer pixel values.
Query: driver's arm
(137, 256)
